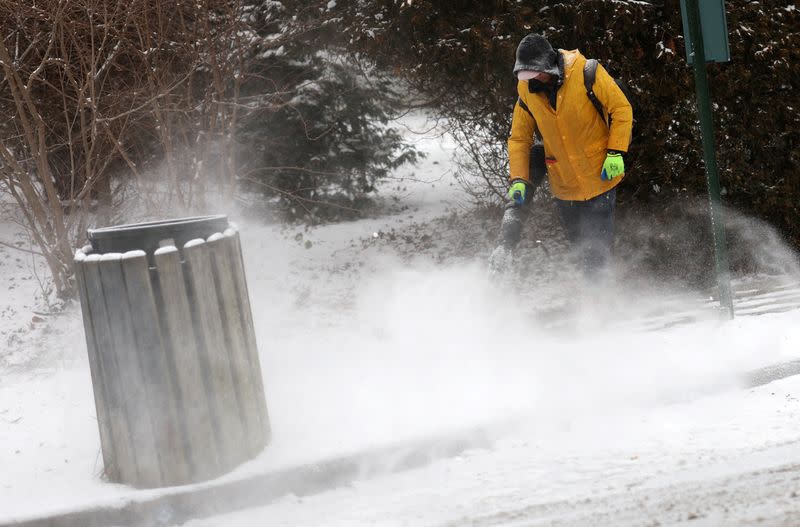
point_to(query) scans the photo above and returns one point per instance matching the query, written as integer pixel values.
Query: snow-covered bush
(323, 140)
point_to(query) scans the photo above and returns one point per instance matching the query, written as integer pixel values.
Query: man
(583, 151)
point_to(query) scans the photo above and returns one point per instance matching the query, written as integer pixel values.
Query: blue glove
(518, 192)
(613, 166)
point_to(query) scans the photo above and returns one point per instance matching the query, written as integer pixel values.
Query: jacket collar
(567, 60)
(566, 64)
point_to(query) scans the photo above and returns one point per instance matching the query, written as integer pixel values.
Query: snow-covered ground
(725, 459)
(363, 345)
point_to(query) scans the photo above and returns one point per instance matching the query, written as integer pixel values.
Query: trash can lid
(149, 235)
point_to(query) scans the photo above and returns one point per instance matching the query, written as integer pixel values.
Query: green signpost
(714, 30)
(706, 32)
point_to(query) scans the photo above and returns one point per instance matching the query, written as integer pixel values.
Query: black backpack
(589, 74)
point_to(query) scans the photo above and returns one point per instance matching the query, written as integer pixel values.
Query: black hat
(535, 53)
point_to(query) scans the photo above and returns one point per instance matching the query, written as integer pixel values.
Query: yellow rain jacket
(575, 137)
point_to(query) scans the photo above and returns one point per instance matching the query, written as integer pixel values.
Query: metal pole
(712, 175)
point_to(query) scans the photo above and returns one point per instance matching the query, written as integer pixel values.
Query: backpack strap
(589, 74)
(524, 106)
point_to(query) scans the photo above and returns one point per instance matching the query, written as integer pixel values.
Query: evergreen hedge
(460, 53)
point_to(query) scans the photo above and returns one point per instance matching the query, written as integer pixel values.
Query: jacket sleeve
(617, 105)
(523, 126)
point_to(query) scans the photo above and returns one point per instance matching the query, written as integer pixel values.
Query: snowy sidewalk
(728, 459)
(601, 408)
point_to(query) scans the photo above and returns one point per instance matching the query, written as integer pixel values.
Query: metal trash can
(172, 350)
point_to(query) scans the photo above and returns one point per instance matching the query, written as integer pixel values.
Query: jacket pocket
(593, 159)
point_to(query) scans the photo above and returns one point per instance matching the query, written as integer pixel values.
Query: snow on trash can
(172, 350)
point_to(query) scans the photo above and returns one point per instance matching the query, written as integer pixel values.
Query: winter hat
(535, 53)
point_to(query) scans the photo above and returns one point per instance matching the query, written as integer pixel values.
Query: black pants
(590, 228)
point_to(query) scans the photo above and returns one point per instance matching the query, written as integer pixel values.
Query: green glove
(613, 166)
(518, 191)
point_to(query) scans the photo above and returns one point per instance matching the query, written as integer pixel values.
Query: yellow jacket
(575, 137)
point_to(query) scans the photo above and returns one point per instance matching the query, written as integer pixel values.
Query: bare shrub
(96, 94)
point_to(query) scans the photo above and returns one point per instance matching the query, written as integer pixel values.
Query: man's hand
(613, 166)
(518, 191)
